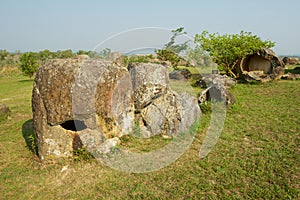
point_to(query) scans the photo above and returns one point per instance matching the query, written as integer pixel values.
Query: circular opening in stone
(74, 125)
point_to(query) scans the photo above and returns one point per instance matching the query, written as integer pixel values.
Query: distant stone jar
(263, 66)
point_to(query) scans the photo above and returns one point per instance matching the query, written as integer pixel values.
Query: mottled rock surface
(91, 103)
(218, 79)
(159, 109)
(149, 81)
(218, 93)
(98, 93)
(217, 89)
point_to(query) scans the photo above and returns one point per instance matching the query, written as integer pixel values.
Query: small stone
(4, 112)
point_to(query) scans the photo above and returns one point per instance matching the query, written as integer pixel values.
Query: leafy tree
(171, 50)
(227, 50)
(3, 54)
(198, 57)
(82, 52)
(172, 46)
(9, 58)
(91, 54)
(64, 54)
(167, 55)
(44, 55)
(29, 63)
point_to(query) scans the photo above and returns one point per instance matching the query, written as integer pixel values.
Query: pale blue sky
(34, 25)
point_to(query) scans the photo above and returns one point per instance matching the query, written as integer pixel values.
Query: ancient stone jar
(81, 102)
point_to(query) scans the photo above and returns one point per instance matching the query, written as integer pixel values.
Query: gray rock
(213, 79)
(159, 109)
(171, 114)
(149, 81)
(190, 111)
(117, 58)
(163, 115)
(216, 93)
(217, 89)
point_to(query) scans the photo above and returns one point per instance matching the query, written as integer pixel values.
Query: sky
(35, 25)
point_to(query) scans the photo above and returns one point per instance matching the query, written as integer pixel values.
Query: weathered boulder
(263, 65)
(290, 60)
(159, 109)
(80, 102)
(218, 93)
(217, 89)
(224, 80)
(162, 115)
(4, 111)
(117, 58)
(149, 81)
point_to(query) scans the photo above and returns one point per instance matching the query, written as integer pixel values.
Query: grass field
(256, 157)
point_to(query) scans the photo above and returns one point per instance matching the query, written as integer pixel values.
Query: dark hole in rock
(74, 125)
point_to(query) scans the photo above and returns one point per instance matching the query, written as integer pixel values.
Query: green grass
(256, 157)
(291, 69)
(199, 70)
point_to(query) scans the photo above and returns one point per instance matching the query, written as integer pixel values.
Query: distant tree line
(224, 50)
(14, 58)
(9, 59)
(30, 61)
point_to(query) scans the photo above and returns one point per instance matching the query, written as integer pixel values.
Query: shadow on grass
(28, 134)
(26, 81)
(296, 70)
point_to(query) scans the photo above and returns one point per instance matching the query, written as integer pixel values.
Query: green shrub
(29, 64)
(82, 154)
(166, 55)
(206, 107)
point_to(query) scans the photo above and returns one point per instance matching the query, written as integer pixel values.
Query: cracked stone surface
(159, 109)
(149, 81)
(95, 91)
